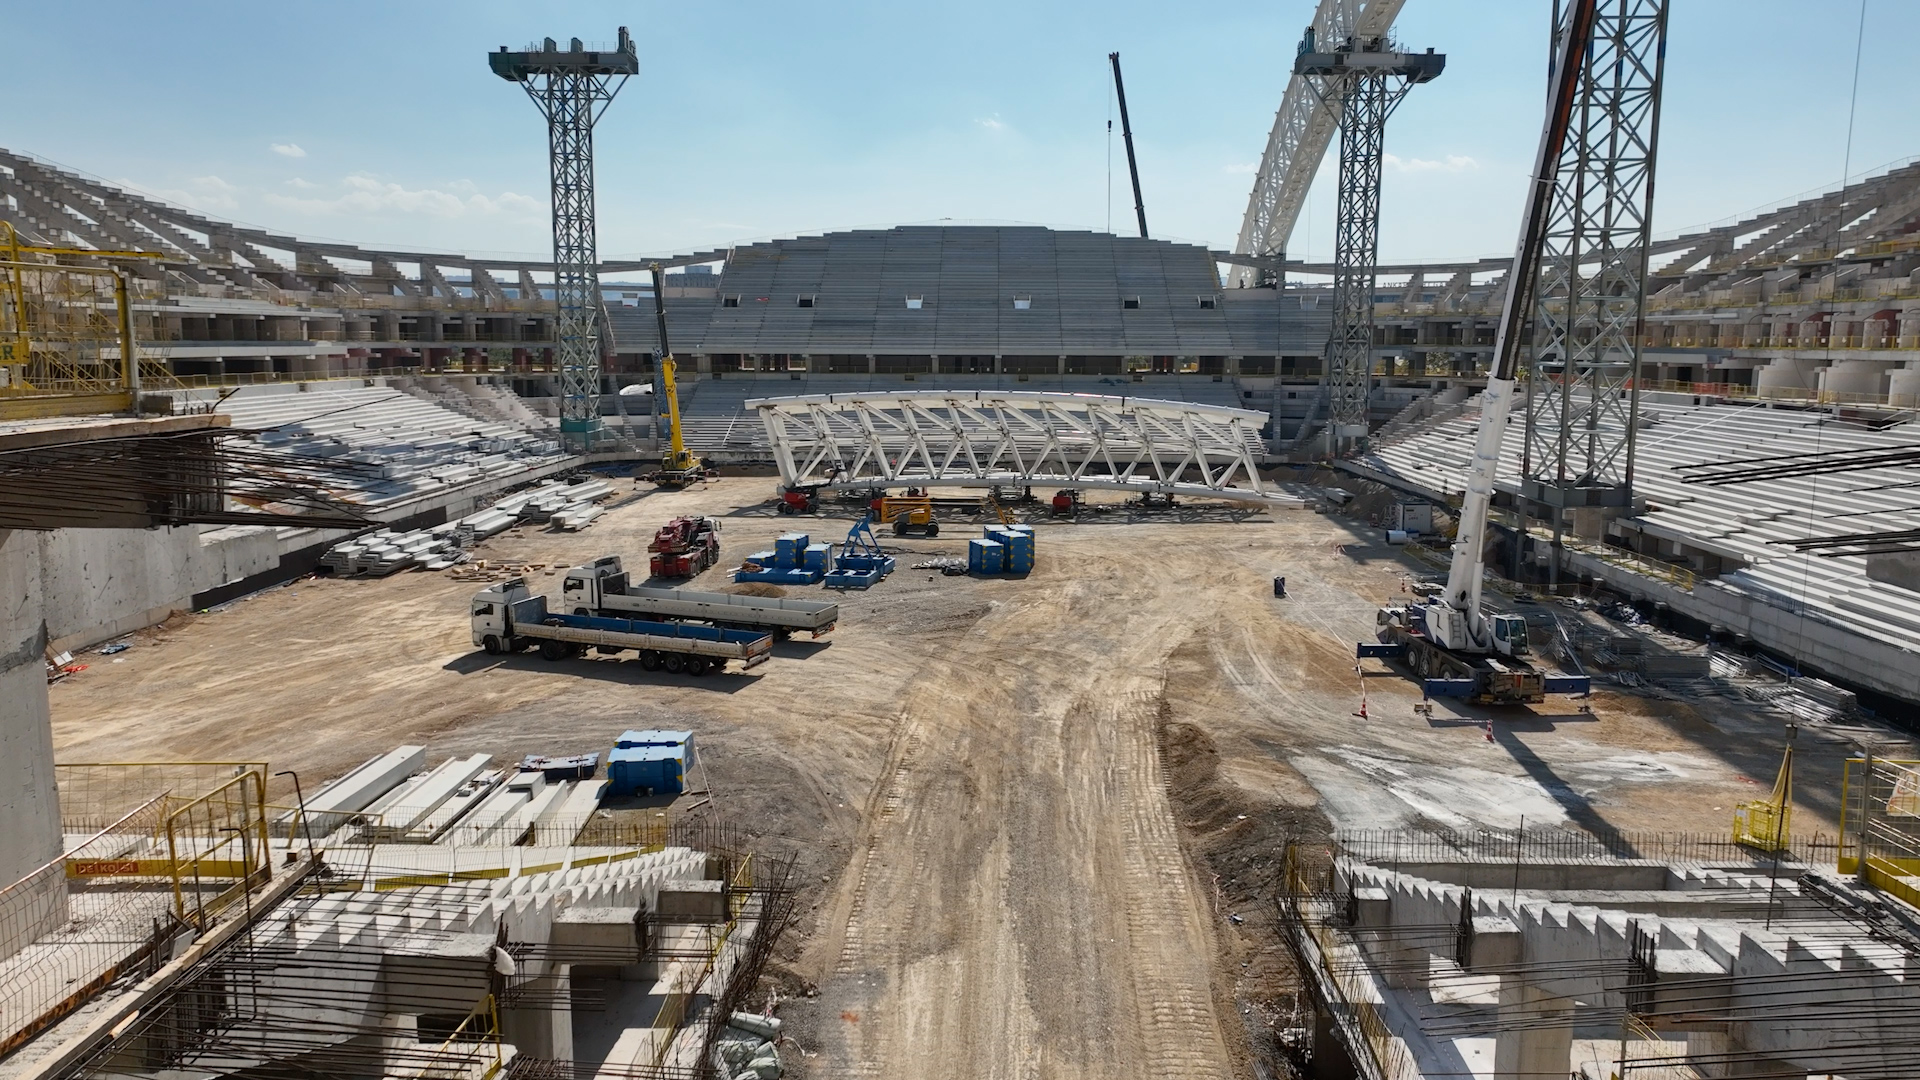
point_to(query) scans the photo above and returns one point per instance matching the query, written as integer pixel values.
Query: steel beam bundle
(983, 439)
(572, 89)
(1580, 400)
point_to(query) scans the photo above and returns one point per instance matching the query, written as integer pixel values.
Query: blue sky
(379, 123)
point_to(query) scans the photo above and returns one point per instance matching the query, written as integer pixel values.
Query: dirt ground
(1036, 819)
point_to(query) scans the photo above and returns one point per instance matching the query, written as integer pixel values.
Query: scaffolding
(66, 332)
(156, 853)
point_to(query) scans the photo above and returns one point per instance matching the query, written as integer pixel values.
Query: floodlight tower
(572, 88)
(1362, 79)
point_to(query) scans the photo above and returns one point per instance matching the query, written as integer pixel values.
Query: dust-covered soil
(1036, 820)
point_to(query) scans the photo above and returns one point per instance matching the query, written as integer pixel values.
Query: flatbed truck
(509, 617)
(602, 587)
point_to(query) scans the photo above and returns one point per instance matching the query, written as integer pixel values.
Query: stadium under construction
(967, 650)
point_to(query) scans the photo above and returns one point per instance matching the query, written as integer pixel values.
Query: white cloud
(1455, 163)
(1247, 167)
(992, 123)
(303, 185)
(205, 193)
(364, 195)
(287, 149)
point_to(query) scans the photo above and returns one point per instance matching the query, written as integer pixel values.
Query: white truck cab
(585, 587)
(1510, 635)
(492, 613)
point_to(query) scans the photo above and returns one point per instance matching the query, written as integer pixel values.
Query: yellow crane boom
(678, 467)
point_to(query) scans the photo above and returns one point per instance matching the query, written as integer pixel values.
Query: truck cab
(493, 610)
(585, 587)
(1510, 635)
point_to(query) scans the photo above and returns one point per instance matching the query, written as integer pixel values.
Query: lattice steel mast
(1364, 79)
(1302, 127)
(572, 89)
(1580, 398)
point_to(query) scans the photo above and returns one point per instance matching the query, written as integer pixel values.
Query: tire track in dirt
(1024, 907)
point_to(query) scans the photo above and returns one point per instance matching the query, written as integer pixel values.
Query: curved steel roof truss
(982, 438)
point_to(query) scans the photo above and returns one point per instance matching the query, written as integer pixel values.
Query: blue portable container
(986, 556)
(818, 557)
(1019, 556)
(629, 770)
(669, 769)
(765, 559)
(995, 532)
(1022, 530)
(637, 770)
(789, 549)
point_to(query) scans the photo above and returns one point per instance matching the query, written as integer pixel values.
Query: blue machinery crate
(659, 770)
(860, 563)
(794, 560)
(650, 761)
(985, 556)
(1015, 554)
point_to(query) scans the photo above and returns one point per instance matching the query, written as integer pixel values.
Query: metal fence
(166, 848)
(95, 793)
(1385, 847)
(1880, 816)
(63, 938)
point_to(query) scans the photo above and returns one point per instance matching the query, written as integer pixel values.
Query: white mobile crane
(1449, 641)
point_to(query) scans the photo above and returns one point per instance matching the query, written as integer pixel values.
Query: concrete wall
(29, 806)
(99, 583)
(71, 588)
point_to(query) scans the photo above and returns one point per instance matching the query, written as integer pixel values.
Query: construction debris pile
(569, 506)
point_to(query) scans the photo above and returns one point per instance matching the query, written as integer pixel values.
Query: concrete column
(1060, 368)
(873, 365)
(29, 802)
(1530, 1044)
(1543, 1048)
(543, 1031)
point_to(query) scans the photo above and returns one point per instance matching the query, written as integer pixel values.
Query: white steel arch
(981, 438)
(1302, 127)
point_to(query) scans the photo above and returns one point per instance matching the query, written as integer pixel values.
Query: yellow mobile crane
(678, 467)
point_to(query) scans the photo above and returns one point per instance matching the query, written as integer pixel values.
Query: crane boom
(1126, 132)
(678, 467)
(1464, 575)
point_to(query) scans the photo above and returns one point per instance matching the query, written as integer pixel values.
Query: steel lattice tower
(1580, 397)
(1364, 80)
(572, 89)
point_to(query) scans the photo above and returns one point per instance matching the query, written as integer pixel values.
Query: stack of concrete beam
(1831, 613)
(408, 807)
(340, 800)
(435, 823)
